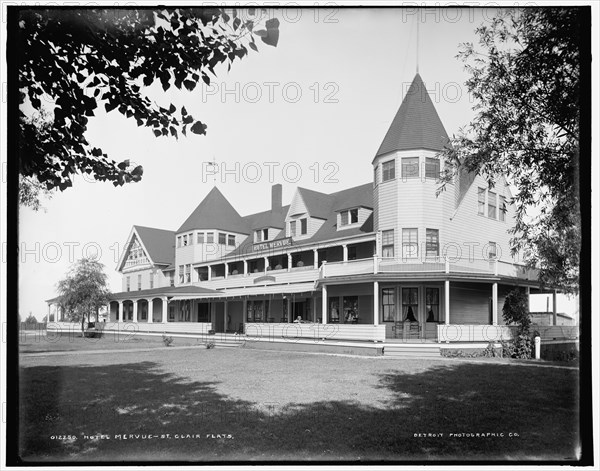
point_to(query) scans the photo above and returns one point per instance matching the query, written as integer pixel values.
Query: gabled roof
(160, 244)
(215, 212)
(416, 124)
(270, 218)
(317, 204)
(326, 207)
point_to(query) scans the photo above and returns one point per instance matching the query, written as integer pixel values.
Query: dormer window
(185, 240)
(200, 237)
(210, 237)
(261, 235)
(293, 228)
(303, 226)
(222, 238)
(349, 216)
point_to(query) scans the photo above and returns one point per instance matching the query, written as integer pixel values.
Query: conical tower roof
(215, 212)
(416, 124)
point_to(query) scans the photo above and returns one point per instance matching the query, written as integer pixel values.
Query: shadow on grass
(143, 403)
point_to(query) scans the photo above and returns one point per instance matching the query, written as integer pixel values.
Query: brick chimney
(276, 191)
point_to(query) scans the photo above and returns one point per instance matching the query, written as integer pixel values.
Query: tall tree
(71, 61)
(525, 78)
(83, 290)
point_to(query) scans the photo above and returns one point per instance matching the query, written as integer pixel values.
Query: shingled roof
(215, 212)
(160, 244)
(416, 124)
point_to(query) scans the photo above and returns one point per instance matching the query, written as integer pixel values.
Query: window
(410, 167)
(481, 201)
(265, 234)
(389, 170)
(432, 168)
(303, 226)
(200, 237)
(349, 216)
(258, 235)
(210, 237)
(171, 312)
(184, 311)
(151, 280)
(492, 252)
(387, 243)
(350, 308)
(188, 273)
(185, 240)
(491, 205)
(410, 243)
(376, 174)
(410, 304)
(144, 311)
(292, 228)
(128, 283)
(432, 242)
(180, 273)
(191, 238)
(178, 241)
(257, 311)
(352, 252)
(139, 282)
(231, 240)
(389, 305)
(502, 213)
(222, 238)
(432, 304)
(172, 278)
(334, 310)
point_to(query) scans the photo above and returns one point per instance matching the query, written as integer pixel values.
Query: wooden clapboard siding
(467, 226)
(473, 333)
(132, 327)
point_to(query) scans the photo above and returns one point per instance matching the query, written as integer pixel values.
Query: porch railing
(429, 265)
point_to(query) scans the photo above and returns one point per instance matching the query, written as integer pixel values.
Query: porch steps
(412, 350)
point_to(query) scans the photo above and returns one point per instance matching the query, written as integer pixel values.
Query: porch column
(245, 267)
(345, 249)
(135, 307)
(289, 256)
(245, 313)
(554, 307)
(165, 309)
(150, 310)
(494, 303)
(447, 302)
(289, 309)
(315, 308)
(266, 264)
(209, 272)
(48, 318)
(225, 309)
(324, 304)
(120, 312)
(226, 269)
(315, 259)
(376, 303)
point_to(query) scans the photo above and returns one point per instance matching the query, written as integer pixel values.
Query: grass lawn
(198, 404)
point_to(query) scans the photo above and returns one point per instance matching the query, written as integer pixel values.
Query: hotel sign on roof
(272, 244)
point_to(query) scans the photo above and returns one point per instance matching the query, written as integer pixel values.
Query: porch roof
(253, 291)
(168, 291)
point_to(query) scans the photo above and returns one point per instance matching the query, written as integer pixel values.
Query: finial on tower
(418, 21)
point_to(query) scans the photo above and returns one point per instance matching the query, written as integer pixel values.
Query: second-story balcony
(400, 265)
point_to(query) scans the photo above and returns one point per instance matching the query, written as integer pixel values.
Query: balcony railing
(430, 265)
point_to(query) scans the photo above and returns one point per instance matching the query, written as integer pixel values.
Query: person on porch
(410, 317)
(298, 319)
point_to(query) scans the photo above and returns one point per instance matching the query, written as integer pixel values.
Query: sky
(311, 112)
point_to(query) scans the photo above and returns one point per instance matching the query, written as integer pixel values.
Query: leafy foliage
(71, 62)
(516, 312)
(167, 340)
(31, 319)
(83, 290)
(525, 78)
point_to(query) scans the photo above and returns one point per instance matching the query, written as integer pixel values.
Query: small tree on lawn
(516, 312)
(84, 290)
(31, 319)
